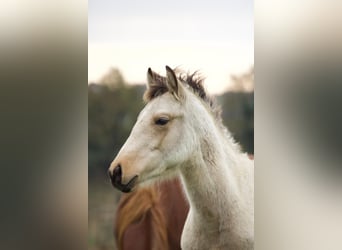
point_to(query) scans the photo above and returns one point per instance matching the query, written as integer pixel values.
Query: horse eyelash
(161, 121)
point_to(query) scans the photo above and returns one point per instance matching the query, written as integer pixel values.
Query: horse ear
(150, 78)
(156, 85)
(174, 86)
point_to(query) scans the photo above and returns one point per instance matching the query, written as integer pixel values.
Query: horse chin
(126, 188)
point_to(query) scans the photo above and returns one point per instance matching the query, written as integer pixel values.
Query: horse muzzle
(116, 179)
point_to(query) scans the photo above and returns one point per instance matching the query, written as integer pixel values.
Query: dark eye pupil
(161, 121)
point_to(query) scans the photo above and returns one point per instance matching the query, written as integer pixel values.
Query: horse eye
(161, 121)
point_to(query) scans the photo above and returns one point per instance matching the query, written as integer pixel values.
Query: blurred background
(127, 37)
(45, 75)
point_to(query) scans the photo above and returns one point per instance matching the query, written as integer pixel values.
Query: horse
(180, 133)
(151, 218)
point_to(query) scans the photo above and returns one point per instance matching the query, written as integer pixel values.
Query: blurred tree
(113, 79)
(238, 116)
(243, 82)
(238, 109)
(112, 110)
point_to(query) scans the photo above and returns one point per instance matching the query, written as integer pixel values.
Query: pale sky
(215, 37)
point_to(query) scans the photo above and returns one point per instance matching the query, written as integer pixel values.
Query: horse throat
(209, 181)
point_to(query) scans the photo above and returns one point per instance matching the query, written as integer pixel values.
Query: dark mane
(193, 82)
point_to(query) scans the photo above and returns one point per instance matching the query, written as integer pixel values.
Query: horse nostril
(115, 176)
(116, 179)
(117, 170)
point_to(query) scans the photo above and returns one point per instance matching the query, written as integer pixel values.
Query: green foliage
(114, 107)
(238, 116)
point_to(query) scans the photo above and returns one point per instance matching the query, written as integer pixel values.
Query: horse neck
(210, 177)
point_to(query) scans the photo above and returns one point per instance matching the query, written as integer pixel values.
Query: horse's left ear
(173, 85)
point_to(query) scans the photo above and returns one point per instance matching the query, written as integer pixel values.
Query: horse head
(162, 138)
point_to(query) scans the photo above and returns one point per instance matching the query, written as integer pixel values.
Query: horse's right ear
(174, 86)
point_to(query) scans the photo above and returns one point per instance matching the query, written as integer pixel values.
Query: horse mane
(193, 82)
(134, 208)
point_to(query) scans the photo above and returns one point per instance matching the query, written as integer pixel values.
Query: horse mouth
(125, 188)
